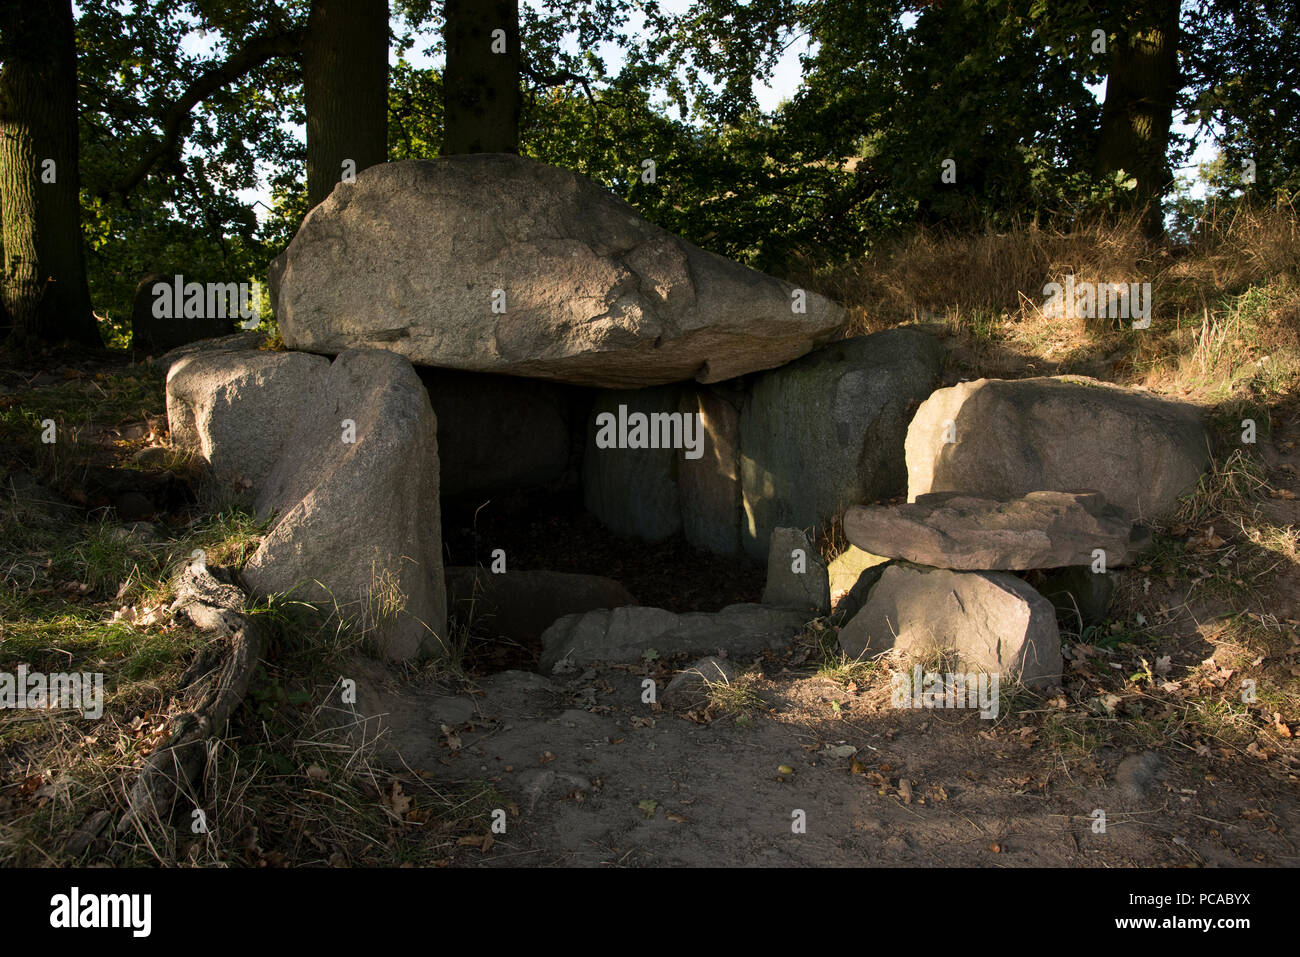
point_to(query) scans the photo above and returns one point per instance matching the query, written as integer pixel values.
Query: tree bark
(480, 86)
(45, 293)
(1135, 119)
(345, 89)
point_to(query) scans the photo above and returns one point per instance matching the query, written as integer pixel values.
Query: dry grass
(1225, 313)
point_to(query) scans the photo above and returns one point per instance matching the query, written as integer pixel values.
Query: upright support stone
(796, 574)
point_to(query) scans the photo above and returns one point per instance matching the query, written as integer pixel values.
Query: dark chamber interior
(541, 529)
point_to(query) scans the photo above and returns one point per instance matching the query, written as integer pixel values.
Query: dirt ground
(596, 777)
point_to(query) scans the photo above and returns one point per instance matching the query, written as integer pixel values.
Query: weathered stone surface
(690, 687)
(503, 432)
(851, 574)
(993, 621)
(710, 485)
(972, 532)
(633, 491)
(1026, 435)
(235, 342)
(236, 410)
(807, 589)
(356, 522)
(410, 256)
(520, 605)
(847, 567)
(827, 431)
(626, 634)
(1081, 596)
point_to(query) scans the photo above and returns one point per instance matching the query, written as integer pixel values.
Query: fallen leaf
(647, 807)
(398, 801)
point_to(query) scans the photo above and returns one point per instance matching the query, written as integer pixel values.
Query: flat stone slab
(497, 263)
(626, 634)
(979, 533)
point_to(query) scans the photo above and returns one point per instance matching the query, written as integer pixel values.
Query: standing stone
(497, 263)
(155, 334)
(236, 410)
(710, 485)
(992, 621)
(357, 523)
(633, 491)
(796, 574)
(827, 431)
(1001, 438)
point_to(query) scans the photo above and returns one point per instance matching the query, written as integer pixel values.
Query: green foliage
(1243, 79)
(187, 215)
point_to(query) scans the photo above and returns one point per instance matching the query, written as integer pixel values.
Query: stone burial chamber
(500, 351)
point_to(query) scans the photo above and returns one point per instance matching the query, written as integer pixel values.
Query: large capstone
(496, 263)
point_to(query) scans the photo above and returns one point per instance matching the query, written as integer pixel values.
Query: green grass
(736, 697)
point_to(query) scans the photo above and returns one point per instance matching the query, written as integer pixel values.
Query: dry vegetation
(1225, 320)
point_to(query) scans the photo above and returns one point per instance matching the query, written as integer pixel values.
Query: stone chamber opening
(514, 489)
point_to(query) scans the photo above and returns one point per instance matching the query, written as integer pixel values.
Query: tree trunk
(44, 284)
(480, 86)
(345, 89)
(1135, 119)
